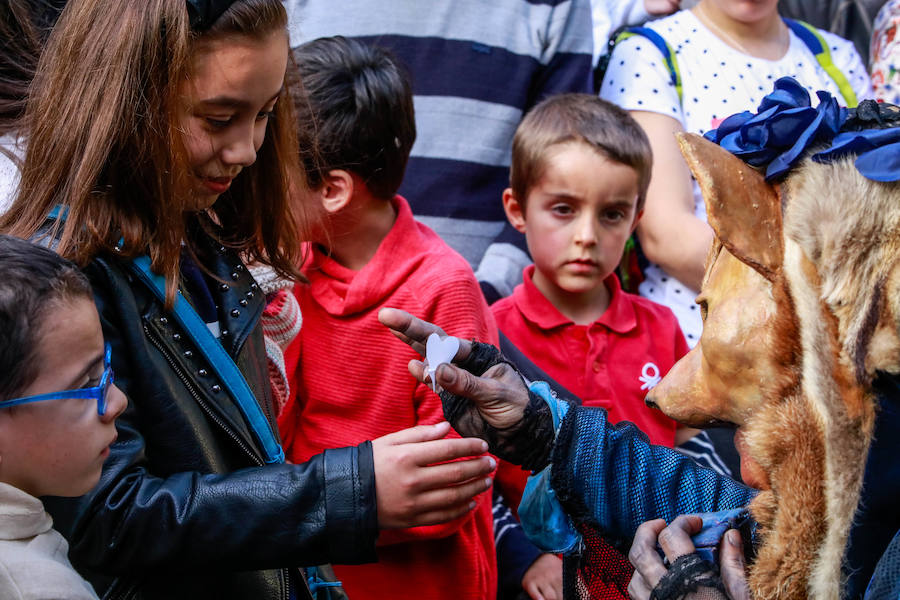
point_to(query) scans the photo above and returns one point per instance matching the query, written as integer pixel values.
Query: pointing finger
(408, 328)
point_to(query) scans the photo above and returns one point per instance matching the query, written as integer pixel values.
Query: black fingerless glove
(690, 577)
(527, 443)
(483, 357)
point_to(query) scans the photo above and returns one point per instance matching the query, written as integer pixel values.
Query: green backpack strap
(630, 270)
(810, 36)
(664, 48)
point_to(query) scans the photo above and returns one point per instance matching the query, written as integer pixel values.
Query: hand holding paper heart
(497, 398)
(413, 331)
(437, 352)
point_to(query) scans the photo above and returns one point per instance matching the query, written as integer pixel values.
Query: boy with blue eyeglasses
(58, 406)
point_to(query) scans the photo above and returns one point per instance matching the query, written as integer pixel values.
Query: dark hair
(33, 280)
(605, 127)
(355, 112)
(103, 140)
(24, 26)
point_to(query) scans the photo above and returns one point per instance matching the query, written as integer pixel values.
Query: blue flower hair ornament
(786, 127)
(203, 13)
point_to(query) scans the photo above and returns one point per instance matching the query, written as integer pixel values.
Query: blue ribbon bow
(786, 127)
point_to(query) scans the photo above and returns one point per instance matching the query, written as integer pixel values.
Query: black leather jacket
(184, 508)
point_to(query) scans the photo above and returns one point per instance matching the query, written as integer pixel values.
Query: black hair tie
(203, 13)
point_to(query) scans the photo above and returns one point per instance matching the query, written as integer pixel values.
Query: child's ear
(515, 210)
(336, 190)
(637, 218)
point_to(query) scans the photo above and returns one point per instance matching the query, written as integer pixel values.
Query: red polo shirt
(611, 363)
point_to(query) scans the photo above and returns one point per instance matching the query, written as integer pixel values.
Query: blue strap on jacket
(224, 366)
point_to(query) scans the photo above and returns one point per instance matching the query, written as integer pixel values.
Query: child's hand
(412, 490)
(661, 7)
(543, 579)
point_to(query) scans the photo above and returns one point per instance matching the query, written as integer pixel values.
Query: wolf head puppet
(801, 308)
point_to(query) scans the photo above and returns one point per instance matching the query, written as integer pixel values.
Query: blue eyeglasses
(100, 392)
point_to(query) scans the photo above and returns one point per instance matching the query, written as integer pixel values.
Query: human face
(226, 105)
(57, 447)
(576, 220)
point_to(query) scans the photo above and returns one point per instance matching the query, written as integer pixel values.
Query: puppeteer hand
(483, 395)
(676, 543)
(419, 479)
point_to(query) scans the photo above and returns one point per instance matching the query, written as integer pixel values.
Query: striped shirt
(476, 66)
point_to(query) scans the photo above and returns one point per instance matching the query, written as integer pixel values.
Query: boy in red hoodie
(357, 127)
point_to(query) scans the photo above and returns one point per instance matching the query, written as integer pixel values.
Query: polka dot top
(717, 81)
(9, 170)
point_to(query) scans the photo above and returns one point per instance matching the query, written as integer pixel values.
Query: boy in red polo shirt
(580, 170)
(357, 126)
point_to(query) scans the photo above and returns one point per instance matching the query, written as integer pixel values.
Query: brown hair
(24, 27)
(104, 141)
(578, 117)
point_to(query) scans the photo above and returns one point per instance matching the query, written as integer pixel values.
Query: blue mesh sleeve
(610, 477)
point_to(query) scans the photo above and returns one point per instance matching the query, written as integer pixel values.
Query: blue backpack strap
(232, 379)
(664, 48)
(813, 40)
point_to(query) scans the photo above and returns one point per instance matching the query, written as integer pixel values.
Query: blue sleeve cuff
(558, 408)
(543, 519)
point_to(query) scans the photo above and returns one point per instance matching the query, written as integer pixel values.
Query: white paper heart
(438, 351)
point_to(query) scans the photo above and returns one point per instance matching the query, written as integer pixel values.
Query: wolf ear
(744, 210)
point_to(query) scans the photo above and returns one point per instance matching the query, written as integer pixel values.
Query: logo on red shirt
(649, 376)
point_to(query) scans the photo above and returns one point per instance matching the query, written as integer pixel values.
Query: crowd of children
(232, 217)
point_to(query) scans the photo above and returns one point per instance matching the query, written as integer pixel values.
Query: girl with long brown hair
(161, 154)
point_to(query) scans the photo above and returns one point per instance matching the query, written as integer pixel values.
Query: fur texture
(835, 294)
(842, 236)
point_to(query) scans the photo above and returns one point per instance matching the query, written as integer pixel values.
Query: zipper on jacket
(188, 384)
(121, 591)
